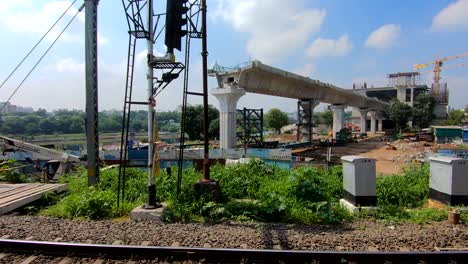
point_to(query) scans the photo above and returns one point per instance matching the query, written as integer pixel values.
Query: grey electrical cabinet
(359, 180)
(449, 180)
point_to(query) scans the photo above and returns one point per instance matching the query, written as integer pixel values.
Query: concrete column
(379, 125)
(363, 113)
(373, 120)
(227, 98)
(338, 118)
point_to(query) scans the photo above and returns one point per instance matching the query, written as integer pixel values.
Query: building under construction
(406, 87)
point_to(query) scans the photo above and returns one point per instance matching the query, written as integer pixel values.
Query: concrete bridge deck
(259, 78)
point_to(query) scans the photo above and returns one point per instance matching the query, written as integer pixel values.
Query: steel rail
(224, 255)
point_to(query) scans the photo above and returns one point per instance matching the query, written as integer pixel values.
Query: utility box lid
(445, 159)
(354, 159)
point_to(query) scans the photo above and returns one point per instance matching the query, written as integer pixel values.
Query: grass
(100, 201)
(11, 175)
(254, 192)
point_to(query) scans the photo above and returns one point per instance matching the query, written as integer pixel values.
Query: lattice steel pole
(150, 79)
(92, 138)
(206, 164)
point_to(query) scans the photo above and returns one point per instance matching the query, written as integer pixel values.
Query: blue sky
(340, 42)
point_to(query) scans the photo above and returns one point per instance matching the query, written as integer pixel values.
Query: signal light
(175, 11)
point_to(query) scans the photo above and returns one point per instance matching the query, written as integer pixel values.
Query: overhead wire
(37, 44)
(42, 57)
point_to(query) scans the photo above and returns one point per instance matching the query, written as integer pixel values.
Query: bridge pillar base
(373, 119)
(227, 98)
(363, 114)
(338, 118)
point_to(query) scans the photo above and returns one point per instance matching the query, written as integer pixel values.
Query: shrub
(99, 201)
(409, 190)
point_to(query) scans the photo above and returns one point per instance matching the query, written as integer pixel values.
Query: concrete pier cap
(228, 98)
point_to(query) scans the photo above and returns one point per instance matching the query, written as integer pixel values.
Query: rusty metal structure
(250, 127)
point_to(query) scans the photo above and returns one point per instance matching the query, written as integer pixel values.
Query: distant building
(405, 86)
(11, 108)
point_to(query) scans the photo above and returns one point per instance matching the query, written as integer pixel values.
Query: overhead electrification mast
(92, 138)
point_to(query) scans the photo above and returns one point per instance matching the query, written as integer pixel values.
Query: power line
(42, 57)
(33, 48)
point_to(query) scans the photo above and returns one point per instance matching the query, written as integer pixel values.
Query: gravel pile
(358, 236)
(409, 151)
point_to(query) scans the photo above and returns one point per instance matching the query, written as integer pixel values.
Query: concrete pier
(379, 125)
(228, 98)
(363, 115)
(338, 118)
(373, 120)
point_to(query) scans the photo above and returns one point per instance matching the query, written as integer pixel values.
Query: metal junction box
(449, 180)
(359, 180)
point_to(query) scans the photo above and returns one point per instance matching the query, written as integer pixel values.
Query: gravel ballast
(358, 236)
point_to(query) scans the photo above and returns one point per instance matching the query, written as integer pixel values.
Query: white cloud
(329, 47)
(69, 65)
(276, 28)
(384, 37)
(306, 70)
(452, 17)
(26, 17)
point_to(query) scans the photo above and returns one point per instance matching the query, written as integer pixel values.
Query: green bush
(251, 192)
(410, 190)
(12, 176)
(259, 192)
(100, 201)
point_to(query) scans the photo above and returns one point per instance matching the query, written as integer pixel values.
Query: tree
(276, 119)
(466, 109)
(214, 128)
(325, 117)
(455, 118)
(423, 110)
(400, 113)
(194, 120)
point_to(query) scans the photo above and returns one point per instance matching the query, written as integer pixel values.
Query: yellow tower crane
(438, 66)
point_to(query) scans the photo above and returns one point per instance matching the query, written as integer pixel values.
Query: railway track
(27, 251)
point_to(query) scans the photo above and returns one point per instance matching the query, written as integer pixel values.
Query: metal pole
(92, 139)
(206, 165)
(150, 75)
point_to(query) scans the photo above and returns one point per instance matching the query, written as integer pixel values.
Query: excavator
(57, 163)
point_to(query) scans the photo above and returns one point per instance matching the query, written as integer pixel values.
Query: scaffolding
(250, 127)
(409, 79)
(305, 120)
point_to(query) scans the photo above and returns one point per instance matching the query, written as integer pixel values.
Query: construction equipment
(438, 63)
(344, 136)
(57, 163)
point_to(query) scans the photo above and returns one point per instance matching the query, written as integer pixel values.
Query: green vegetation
(399, 112)
(194, 122)
(8, 174)
(325, 117)
(423, 110)
(71, 122)
(251, 192)
(276, 119)
(100, 201)
(455, 118)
